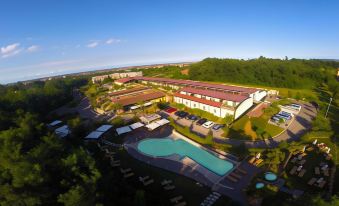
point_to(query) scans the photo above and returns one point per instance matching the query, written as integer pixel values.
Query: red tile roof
(127, 91)
(124, 80)
(191, 83)
(196, 99)
(216, 94)
(137, 98)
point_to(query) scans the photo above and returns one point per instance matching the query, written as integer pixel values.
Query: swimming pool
(270, 176)
(166, 147)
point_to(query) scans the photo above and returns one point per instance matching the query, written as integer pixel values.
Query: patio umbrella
(258, 155)
(315, 141)
(328, 151)
(304, 148)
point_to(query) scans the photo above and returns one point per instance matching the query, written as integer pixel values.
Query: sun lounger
(322, 184)
(235, 175)
(125, 170)
(181, 204)
(312, 181)
(301, 173)
(317, 170)
(166, 182)
(251, 161)
(115, 165)
(109, 152)
(128, 175)
(176, 199)
(232, 179)
(293, 170)
(142, 179)
(169, 187)
(148, 182)
(302, 162)
(258, 162)
(326, 173)
(294, 159)
(241, 171)
(217, 194)
(309, 149)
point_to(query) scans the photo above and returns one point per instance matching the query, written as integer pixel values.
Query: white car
(208, 124)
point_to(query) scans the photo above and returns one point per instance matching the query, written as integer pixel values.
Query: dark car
(201, 121)
(218, 126)
(177, 113)
(183, 114)
(192, 117)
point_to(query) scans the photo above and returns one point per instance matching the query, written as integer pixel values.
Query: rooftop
(126, 91)
(216, 94)
(200, 84)
(143, 96)
(123, 80)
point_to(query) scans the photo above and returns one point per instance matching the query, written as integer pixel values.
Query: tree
(228, 119)
(320, 123)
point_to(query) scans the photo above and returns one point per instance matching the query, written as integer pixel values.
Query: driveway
(296, 129)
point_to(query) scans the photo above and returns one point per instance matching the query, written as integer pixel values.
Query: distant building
(119, 75)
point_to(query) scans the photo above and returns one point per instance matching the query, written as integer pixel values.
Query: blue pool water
(259, 185)
(270, 176)
(165, 147)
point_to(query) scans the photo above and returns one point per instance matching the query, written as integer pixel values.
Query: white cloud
(93, 44)
(10, 50)
(112, 40)
(33, 48)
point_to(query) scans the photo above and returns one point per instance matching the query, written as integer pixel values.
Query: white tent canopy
(104, 128)
(162, 122)
(62, 131)
(153, 126)
(122, 130)
(54, 123)
(94, 135)
(136, 125)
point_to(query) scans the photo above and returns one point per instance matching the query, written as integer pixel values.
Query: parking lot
(194, 124)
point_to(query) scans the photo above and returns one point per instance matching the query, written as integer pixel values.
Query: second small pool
(270, 176)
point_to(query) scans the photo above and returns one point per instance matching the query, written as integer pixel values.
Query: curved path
(300, 125)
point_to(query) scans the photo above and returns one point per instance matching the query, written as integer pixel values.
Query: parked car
(170, 110)
(192, 117)
(201, 121)
(218, 126)
(208, 124)
(181, 114)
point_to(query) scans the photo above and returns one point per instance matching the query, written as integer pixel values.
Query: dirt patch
(258, 110)
(249, 131)
(185, 71)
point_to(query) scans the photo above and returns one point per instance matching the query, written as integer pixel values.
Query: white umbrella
(304, 148)
(315, 141)
(328, 151)
(258, 155)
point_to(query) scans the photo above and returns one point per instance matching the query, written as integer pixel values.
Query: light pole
(328, 107)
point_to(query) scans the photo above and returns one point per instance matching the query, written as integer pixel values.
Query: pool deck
(190, 168)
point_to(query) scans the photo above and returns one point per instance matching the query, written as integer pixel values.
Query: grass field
(259, 125)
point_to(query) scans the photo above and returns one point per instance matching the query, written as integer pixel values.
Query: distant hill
(293, 73)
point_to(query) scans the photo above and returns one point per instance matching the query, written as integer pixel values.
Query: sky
(40, 38)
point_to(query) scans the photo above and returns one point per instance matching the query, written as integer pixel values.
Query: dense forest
(294, 73)
(31, 156)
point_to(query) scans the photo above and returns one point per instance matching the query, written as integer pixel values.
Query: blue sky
(48, 37)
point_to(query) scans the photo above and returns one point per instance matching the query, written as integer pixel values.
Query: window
(215, 111)
(203, 108)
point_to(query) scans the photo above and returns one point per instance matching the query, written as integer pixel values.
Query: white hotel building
(219, 104)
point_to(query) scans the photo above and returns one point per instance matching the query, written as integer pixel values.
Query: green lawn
(259, 124)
